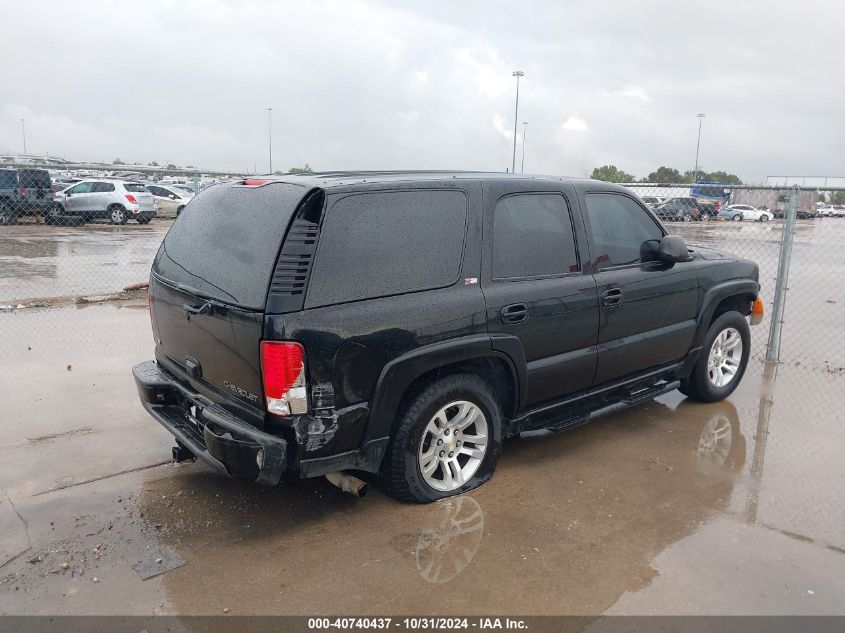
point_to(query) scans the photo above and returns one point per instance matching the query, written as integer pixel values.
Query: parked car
(685, 210)
(739, 212)
(801, 214)
(831, 211)
(652, 201)
(169, 200)
(405, 324)
(24, 192)
(115, 200)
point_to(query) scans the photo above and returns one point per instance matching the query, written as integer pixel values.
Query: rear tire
(687, 217)
(402, 472)
(7, 214)
(737, 218)
(705, 382)
(764, 218)
(117, 214)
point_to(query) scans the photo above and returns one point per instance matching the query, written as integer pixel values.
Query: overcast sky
(372, 85)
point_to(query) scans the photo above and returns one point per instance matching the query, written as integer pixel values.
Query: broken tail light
(283, 374)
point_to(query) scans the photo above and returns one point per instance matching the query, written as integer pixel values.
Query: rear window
(379, 244)
(225, 243)
(35, 179)
(135, 187)
(8, 179)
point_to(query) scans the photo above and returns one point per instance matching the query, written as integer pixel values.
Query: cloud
(574, 124)
(635, 92)
(376, 84)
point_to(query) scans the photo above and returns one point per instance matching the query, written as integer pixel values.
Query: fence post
(779, 302)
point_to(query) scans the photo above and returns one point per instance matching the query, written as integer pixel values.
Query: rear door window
(102, 187)
(134, 187)
(226, 247)
(533, 237)
(384, 243)
(35, 179)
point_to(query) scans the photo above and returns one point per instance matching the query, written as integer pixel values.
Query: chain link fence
(76, 246)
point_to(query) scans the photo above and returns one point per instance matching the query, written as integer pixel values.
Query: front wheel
(737, 218)
(764, 218)
(117, 214)
(446, 441)
(687, 217)
(727, 346)
(7, 214)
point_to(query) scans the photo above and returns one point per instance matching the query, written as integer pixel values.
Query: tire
(54, 215)
(117, 214)
(401, 472)
(7, 214)
(764, 218)
(700, 384)
(737, 218)
(687, 217)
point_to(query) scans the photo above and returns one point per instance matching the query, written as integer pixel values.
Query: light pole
(524, 128)
(700, 116)
(517, 74)
(270, 135)
(23, 131)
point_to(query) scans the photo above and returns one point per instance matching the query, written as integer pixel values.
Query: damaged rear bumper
(217, 437)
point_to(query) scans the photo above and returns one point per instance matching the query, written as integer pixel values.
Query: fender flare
(399, 373)
(715, 295)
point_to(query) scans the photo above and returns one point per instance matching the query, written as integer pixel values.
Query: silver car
(101, 198)
(169, 200)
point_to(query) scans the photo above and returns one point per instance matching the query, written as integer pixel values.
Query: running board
(651, 392)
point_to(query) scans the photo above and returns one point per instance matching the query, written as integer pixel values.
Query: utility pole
(270, 135)
(524, 128)
(23, 131)
(517, 74)
(700, 116)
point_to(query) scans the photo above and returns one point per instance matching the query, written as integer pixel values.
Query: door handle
(515, 313)
(612, 297)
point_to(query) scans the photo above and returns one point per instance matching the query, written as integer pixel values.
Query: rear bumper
(220, 439)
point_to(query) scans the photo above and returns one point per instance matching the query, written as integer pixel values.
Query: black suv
(405, 324)
(24, 192)
(685, 210)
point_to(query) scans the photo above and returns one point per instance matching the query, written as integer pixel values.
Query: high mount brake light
(255, 182)
(283, 374)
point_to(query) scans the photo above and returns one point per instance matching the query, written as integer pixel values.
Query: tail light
(131, 198)
(21, 192)
(283, 373)
(757, 307)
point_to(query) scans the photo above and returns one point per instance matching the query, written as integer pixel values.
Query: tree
(117, 161)
(720, 176)
(301, 170)
(611, 173)
(171, 166)
(837, 197)
(667, 175)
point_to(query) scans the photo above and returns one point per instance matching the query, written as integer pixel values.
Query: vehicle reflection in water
(443, 551)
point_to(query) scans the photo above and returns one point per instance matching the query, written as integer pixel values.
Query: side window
(102, 187)
(383, 243)
(532, 237)
(619, 227)
(82, 187)
(156, 191)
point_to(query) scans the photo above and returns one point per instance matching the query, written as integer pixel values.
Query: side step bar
(651, 393)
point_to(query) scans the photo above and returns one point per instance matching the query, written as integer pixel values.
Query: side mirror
(673, 249)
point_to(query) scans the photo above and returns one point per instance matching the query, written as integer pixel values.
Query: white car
(747, 212)
(831, 212)
(169, 200)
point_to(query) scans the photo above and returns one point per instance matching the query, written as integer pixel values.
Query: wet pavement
(39, 261)
(667, 507)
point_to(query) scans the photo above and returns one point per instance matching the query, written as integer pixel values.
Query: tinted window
(156, 191)
(532, 236)
(134, 187)
(226, 246)
(619, 227)
(102, 187)
(378, 244)
(8, 179)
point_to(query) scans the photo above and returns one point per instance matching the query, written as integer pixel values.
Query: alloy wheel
(453, 445)
(724, 358)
